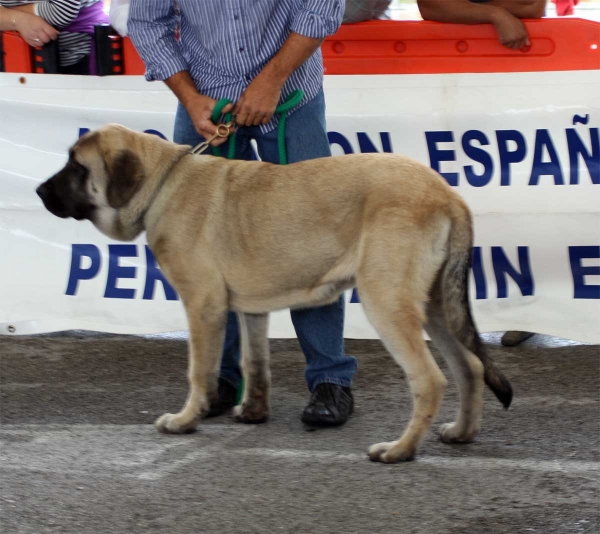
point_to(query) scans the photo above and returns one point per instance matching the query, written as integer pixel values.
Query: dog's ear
(125, 176)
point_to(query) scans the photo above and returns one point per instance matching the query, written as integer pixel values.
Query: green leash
(281, 110)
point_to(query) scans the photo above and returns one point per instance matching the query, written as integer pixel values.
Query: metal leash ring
(223, 130)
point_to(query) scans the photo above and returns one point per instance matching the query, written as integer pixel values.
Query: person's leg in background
(230, 374)
(320, 331)
(82, 67)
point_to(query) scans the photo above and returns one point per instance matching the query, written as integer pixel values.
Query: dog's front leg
(207, 320)
(255, 407)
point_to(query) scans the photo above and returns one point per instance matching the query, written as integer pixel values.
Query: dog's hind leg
(207, 317)
(393, 282)
(467, 369)
(255, 407)
(452, 329)
(400, 326)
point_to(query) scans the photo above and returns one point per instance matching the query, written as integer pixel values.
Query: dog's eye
(76, 164)
(79, 170)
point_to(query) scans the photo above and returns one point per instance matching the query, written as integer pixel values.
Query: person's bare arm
(32, 28)
(524, 9)
(503, 14)
(258, 102)
(467, 12)
(6, 23)
(25, 8)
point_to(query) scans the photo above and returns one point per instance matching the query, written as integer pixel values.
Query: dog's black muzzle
(62, 202)
(47, 192)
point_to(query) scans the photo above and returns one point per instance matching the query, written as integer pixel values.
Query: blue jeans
(320, 331)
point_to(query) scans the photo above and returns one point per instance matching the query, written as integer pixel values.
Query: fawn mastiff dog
(255, 237)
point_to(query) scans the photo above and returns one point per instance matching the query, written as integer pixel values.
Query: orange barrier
(17, 53)
(18, 56)
(420, 47)
(109, 51)
(133, 61)
(413, 47)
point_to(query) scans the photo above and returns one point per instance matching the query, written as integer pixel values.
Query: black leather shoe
(227, 396)
(513, 337)
(330, 405)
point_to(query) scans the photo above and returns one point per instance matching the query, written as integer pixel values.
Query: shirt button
(241, 48)
(236, 17)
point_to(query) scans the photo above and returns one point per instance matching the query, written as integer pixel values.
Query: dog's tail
(455, 298)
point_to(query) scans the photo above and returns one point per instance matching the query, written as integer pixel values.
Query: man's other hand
(257, 104)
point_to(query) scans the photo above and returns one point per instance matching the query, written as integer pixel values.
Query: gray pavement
(79, 454)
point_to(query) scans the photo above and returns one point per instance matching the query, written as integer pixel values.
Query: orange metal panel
(418, 47)
(421, 47)
(17, 54)
(132, 61)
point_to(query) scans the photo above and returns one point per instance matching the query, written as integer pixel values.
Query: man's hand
(200, 109)
(511, 30)
(258, 102)
(35, 30)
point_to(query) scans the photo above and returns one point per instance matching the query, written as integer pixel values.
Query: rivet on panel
(400, 47)
(338, 47)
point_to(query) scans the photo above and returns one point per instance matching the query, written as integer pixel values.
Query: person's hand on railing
(35, 30)
(505, 15)
(511, 30)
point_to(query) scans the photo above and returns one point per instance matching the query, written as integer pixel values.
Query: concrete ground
(79, 453)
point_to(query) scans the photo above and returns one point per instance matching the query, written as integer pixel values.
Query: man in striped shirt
(255, 54)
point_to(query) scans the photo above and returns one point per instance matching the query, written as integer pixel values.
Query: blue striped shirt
(224, 44)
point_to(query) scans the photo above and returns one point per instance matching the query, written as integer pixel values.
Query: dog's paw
(250, 414)
(450, 433)
(170, 423)
(388, 453)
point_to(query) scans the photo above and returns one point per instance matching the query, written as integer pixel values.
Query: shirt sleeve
(151, 26)
(118, 14)
(318, 18)
(58, 13)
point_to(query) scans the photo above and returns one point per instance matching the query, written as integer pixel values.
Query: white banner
(523, 149)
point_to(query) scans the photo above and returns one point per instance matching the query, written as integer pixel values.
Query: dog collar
(160, 185)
